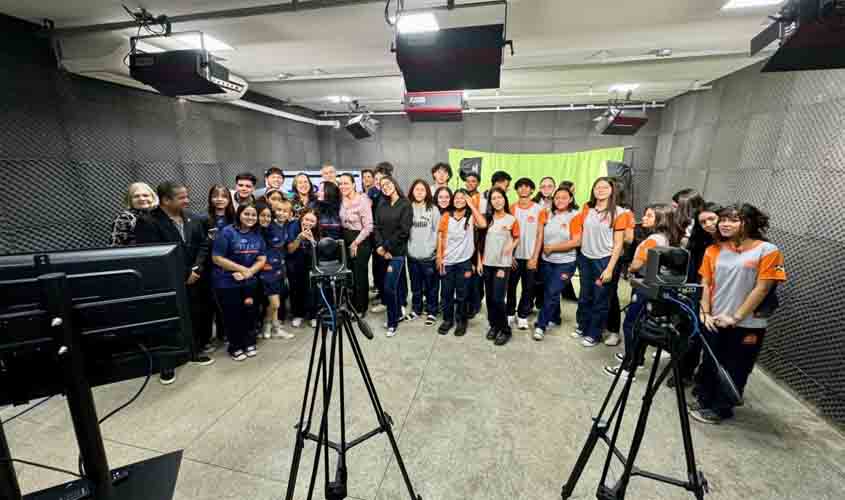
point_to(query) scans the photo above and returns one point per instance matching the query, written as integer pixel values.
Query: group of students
(460, 249)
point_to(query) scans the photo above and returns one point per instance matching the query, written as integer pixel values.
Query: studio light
(195, 41)
(424, 22)
(624, 87)
(747, 4)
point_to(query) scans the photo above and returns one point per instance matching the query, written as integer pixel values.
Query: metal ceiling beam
(278, 8)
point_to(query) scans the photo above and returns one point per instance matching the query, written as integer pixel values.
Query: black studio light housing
(450, 47)
(811, 35)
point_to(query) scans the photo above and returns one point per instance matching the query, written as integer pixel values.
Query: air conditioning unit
(182, 72)
(621, 122)
(112, 68)
(435, 106)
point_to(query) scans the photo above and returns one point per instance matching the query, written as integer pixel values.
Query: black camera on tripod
(671, 311)
(330, 266)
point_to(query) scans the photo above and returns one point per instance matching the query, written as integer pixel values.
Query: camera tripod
(661, 334)
(335, 323)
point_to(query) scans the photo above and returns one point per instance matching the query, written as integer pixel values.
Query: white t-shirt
(500, 233)
(560, 228)
(460, 238)
(597, 235)
(529, 219)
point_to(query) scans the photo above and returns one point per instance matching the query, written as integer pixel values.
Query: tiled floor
(473, 421)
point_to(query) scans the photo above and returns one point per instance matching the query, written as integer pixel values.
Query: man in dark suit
(170, 223)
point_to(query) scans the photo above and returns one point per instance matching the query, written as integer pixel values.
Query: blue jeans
(424, 280)
(555, 278)
(454, 288)
(593, 303)
(637, 304)
(395, 289)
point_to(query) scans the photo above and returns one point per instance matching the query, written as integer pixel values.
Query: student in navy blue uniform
(221, 213)
(171, 223)
(302, 235)
(239, 255)
(272, 282)
(328, 212)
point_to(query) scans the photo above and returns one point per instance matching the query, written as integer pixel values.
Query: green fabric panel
(582, 168)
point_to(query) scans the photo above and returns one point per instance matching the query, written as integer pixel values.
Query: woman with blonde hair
(139, 199)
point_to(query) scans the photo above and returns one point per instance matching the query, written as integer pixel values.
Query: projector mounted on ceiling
(811, 35)
(621, 122)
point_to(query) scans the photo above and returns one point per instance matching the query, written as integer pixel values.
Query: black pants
(527, 277)
(301, 296)
(379, 270)
(614, 312)
(239, 316)
(199, 300)
(497, 288)
(360, 265)
(737, 349)
(690, 360)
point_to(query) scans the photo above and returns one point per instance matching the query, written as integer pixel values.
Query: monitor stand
(153, 479)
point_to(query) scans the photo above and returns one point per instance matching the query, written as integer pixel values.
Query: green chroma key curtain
(581, 168)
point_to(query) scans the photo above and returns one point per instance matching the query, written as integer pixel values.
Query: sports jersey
(596, 233)
(733, 274)
(240, 248)
(460, 238)
(560, 228)
(500, 233)
(654, 240)
(529, 219)
(276, 238)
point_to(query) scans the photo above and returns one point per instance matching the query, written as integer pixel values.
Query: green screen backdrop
(581, 168)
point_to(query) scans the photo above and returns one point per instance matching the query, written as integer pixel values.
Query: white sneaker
(267, 331)
(577, 334)
(412, 316)
(553, 324)
(391, 332)
(511, 320)
(522, 323)
(539, 334)
(296, 323)
(612, 339)
(279, 332)
(588, 342)
(378, 309)
(313, 323)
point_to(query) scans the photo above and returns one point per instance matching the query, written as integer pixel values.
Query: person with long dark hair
(500, 240)
(239, 254)
(303, 235)
(663, 231)
(393, 221)
(422, 253)
(442, 199)
(687, 203)
(568, 292)
(328, 210)
(545, 193)
(272, 277)
(356, 216)
(139, 200)
(455, 249)
(304, 196)
(603, 235)
(561, 236)
(221, 213)
(739, 274)
(532, 217)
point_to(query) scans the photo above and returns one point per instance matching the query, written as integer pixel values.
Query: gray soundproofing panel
(70, 146)
(776, 141)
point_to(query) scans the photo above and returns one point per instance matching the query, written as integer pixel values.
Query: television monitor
(120, 298)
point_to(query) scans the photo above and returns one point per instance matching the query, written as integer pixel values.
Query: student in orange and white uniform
(500, 241)
(532, 217)
(739, 273)
(664, 231)
(603, 235)
(561, 236)
(455, 249)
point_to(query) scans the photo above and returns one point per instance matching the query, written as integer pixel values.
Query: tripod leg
(385, 421)
(597, 431)
(341, 477)
(323, 434)
(302, 429)
(696, 479)
(618, 414)
(639, 432)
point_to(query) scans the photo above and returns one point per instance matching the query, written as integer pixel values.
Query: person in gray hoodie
(422, 253)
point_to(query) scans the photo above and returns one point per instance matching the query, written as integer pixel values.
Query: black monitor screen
(121, 298)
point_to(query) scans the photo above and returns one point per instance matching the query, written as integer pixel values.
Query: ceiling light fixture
(317, 72)
(147, 48)
(337, 99)
(747, 4)
(417, 23)
(284, 76)
(624, 87)
(662, 52)
(211, 44)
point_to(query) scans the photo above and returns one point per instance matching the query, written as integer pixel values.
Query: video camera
(330, 265)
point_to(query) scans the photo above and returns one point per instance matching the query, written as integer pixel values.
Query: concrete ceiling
(567, 51)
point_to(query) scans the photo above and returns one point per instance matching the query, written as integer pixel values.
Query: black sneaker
(492, 333)
(202, 360)
(445, 327)
(461, 330)
(167, 376)
(503, 337)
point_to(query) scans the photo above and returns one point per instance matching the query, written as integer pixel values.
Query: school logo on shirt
(780, 268)
(531, 219)
(751, 264)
